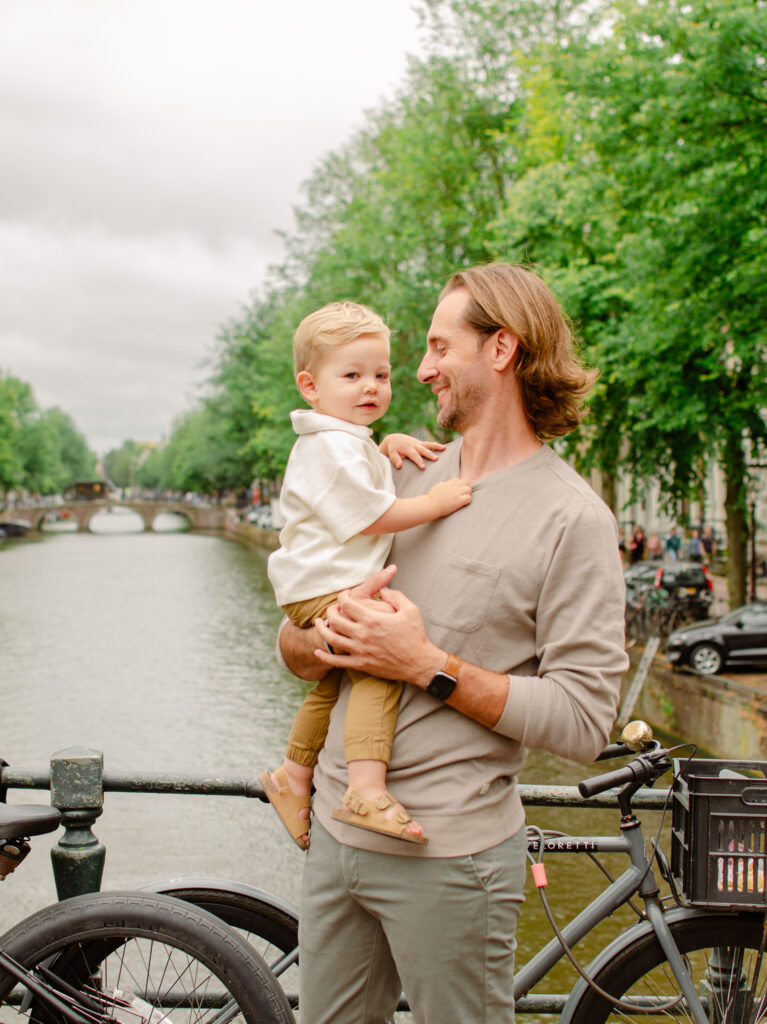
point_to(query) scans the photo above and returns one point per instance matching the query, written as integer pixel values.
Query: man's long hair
(554, 381)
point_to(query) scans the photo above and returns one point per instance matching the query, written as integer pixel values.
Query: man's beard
(465, 400)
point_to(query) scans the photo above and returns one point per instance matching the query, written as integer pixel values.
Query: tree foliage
(616, 145)
(660, 201)
(41, 451)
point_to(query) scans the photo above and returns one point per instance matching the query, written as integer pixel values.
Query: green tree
(680, 99)
(120, 464)
(152, 469)
(75, 458)
(11, 465)
(647, 212)
(31, 461)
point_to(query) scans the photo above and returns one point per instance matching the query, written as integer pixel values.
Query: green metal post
(77, 789)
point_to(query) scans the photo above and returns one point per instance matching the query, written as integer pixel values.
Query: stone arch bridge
(200, 517)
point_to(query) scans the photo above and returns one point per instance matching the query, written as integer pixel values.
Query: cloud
(151, 153)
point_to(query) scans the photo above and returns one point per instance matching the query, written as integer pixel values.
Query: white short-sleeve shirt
(336, 484)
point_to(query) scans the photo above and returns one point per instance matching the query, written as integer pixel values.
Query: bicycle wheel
(265, 921)
(721, 950)
(145, 959)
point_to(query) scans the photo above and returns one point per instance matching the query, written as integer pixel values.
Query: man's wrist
(433, 661)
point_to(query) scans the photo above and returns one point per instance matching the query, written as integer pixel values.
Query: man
(507, 622)
(673, 545)
(708, 542)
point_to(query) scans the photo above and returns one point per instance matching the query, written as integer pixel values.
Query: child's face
(352, 382)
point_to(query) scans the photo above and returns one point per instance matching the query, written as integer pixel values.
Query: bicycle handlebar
(642, 770)
(614, 750)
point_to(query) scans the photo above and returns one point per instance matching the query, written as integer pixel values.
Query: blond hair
(338, 323)
(554, 382)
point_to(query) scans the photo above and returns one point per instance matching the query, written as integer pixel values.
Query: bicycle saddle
(27, 820)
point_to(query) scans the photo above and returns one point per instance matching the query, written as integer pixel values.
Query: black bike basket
(719, 831)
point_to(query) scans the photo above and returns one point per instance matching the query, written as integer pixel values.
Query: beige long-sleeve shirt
(525, 581)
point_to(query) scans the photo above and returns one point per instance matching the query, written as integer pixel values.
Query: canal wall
(725, 716)
(240, 529)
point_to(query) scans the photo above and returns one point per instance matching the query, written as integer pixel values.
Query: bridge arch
(82, 512)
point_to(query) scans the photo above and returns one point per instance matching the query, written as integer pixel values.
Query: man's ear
(306, 386)
(504, 348)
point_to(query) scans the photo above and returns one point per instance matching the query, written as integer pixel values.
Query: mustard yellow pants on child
(371, 713)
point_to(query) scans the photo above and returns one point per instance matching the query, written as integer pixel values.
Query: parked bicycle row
(661, 599)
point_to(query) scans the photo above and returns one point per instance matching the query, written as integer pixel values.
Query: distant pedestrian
(673, 545)
(654, 547)
(695, 547)
(637, 546)
(708, 540)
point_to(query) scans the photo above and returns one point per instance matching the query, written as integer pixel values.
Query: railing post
(77, 789)
(730, 994)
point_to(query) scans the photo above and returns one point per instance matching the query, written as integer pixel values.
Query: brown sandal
(287, 805)
(371, 814)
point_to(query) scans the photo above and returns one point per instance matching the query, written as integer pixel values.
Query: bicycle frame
(637, 879)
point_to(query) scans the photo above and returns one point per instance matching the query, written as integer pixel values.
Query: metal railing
(77, 783)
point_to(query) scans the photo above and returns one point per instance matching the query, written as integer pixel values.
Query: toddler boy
(340, 511)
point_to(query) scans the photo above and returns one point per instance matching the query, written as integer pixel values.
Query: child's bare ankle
(368, 778)
(299, 776)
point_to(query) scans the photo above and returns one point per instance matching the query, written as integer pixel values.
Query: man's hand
(369, 592)
(298, 646)
(389, 642)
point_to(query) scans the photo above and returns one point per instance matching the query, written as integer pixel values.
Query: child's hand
(397, 446)
(451, 495)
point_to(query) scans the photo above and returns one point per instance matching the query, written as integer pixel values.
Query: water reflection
(58, 522)
(170, 522)
(116, 520)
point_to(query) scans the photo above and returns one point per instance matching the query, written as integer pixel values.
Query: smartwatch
(444, 682)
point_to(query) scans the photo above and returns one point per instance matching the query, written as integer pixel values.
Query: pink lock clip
(539, 874)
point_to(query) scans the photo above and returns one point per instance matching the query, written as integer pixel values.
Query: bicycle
(695, 955)
(125, 957)
(643, 606)
(654, 611)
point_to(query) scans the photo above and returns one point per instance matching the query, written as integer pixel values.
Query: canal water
(158, 649)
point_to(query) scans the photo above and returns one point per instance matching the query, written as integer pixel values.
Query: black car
(687, 585)
(739, 638)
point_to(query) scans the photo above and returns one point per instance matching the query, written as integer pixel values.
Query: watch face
(441, 686)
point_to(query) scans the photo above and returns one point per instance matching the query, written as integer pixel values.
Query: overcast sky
(150, 151)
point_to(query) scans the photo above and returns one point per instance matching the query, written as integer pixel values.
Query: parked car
(739, 638)
(261, 515)
(693, 577)
(684, 587)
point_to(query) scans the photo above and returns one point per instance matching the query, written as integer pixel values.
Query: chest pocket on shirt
(461, 593)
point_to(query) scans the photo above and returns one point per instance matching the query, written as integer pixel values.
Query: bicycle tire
(639, 969)
(267, 923)
(177, 959)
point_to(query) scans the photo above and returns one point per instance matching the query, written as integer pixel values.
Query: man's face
(454, 365)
